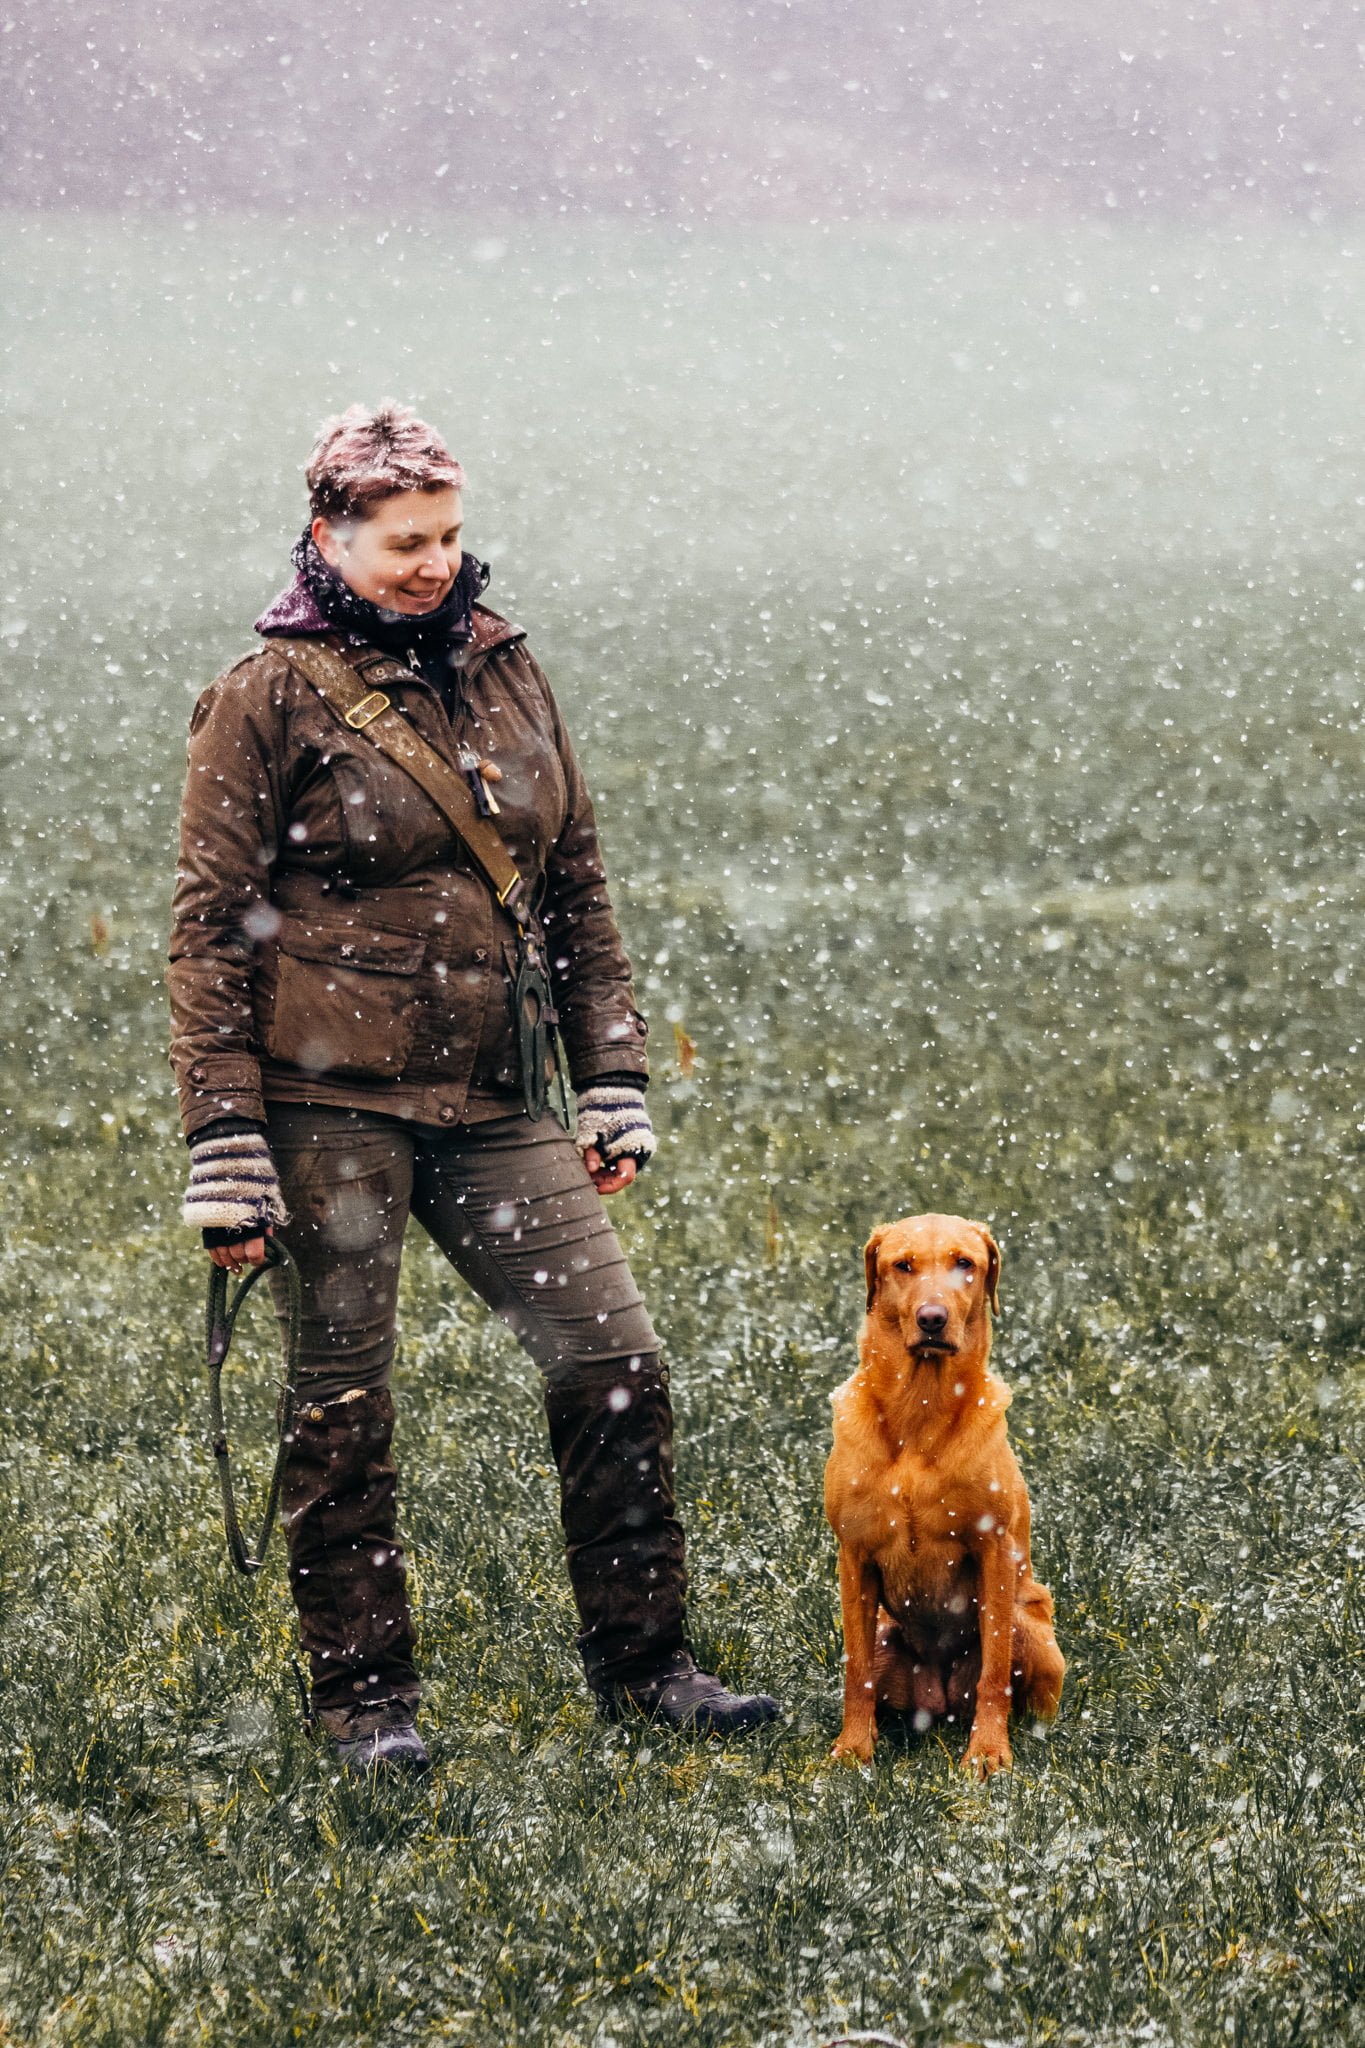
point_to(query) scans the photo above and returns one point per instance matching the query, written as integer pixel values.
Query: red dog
(942, 1613)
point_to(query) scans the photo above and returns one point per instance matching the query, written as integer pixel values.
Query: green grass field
(961, 633)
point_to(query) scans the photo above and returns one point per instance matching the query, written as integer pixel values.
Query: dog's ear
(994, 1258)
(870, 1250)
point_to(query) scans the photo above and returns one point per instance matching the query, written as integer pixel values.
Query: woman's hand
(237, 1257)
(614, 1135)
(234, 1193)
(609, 1179)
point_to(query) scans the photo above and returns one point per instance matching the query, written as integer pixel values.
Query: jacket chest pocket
(389, 825)
(344, 1002)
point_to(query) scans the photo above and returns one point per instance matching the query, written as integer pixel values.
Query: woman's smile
(428, 595)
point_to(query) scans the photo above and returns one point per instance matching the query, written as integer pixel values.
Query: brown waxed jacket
(332, 941)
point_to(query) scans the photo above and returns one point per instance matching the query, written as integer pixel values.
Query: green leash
(221, 1322)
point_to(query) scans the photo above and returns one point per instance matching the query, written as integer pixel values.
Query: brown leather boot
(346, 1562)
(611, 1427)
(381, 1738)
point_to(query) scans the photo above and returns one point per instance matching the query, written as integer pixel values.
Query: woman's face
(404, 556)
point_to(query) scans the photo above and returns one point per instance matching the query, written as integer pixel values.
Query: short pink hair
(363, 456)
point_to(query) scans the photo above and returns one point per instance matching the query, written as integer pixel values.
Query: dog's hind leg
(1039, 1666)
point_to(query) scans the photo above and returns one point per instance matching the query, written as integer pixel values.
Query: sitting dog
(942, 1614)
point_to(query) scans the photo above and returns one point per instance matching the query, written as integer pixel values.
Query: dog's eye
(905, 1265)
(967, 1265)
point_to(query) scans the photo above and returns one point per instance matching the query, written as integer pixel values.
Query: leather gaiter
(346, 1570)
(611, 1428)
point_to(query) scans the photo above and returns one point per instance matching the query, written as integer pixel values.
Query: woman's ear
(994, 1259)
(329, 542)
(870, 1250)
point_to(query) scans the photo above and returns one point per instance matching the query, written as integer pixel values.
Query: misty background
(925, 444)
(777, 110)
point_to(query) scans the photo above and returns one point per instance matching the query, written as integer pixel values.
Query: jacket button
(316, 1415)
(196, 1073)
(481, 954)
(447, 1113)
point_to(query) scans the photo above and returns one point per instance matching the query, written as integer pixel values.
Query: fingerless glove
(233, 1185)
(612, 1116)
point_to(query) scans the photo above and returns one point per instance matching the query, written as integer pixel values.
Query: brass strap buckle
(368, 709)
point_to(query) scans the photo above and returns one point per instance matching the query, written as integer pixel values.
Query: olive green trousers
(509, 1204)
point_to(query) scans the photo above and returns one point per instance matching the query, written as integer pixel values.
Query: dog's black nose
(932, 1318)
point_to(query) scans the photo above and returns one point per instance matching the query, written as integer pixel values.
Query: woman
(354, 1040)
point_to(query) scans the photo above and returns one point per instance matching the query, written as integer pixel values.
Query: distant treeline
(688, 109)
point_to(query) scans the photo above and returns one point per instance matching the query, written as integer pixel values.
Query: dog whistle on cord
(480, 775)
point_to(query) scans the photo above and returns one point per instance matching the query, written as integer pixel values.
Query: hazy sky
(739, 109)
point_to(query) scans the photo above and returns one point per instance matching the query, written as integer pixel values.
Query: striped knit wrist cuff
(615, 1120)
(233, 1185)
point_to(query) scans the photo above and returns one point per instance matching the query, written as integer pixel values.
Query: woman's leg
(510, 1205)
(347, 1181)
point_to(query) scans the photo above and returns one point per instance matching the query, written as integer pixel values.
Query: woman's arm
(603, 1031)
(230, 823)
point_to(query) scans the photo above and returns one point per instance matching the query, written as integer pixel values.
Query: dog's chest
(920, 1540)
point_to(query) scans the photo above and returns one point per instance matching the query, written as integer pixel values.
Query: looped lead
(221, 1322)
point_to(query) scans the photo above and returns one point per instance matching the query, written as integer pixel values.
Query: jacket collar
(295, 611)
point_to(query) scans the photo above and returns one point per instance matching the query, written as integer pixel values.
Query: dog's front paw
(853, 1749)
(987, 1754)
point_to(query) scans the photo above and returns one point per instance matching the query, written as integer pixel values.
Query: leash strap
(221, 1322)
(366, 709)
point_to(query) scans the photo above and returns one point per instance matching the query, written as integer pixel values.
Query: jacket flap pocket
(343, 946)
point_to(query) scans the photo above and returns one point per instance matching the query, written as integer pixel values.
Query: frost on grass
(962, 640)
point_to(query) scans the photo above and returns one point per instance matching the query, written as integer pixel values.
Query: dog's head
(933, 1277)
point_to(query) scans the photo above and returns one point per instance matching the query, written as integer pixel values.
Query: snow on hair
(363, 456)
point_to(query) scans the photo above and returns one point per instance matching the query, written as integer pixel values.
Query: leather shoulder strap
(370, 711)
